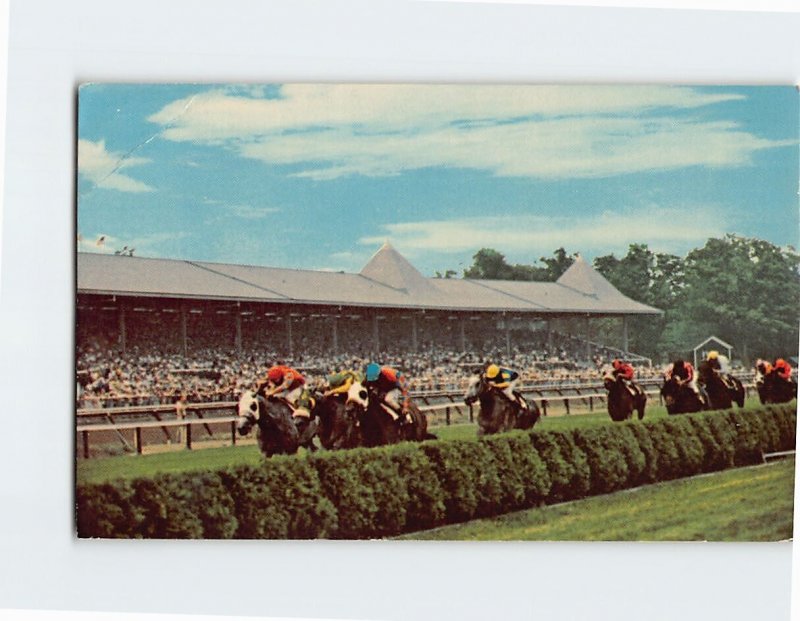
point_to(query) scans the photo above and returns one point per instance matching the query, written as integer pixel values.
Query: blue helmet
(372, 371)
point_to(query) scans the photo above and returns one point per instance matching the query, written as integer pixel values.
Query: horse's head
(475, 387)
(609, 380)
(357, 396)
(761, 370)
(669, 391)
(250, 408)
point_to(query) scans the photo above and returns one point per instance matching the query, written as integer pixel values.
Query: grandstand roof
(387, 280)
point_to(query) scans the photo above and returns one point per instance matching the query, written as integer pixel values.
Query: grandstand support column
(549, 335)
(183, 329)
(238, 338)
(462, 323)
(588, 338)
(376, 335)
(414, 337)
(335, 332)
(122, 331)
(289, 340)
(508, 335)
(625, 333)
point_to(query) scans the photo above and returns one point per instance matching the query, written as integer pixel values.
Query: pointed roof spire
(389, 267)
(584, 278)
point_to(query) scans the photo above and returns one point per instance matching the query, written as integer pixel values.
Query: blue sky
(318, 176)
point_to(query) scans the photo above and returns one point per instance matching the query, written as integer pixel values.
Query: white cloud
(546, 131)
(103, 167)
(249, 212)
(662, 228)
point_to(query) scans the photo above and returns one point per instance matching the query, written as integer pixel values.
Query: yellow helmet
(713, 354)
(492, 370)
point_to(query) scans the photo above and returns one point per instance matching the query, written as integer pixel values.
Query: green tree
(446, 274)
(747, 291)
(649, 278)
(557, 264)
(488, 264)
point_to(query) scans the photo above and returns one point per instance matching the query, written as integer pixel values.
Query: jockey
(625, 371)
(287, 384)
(339, 383)
(782, 369)
(390, 383)
(683, 372)
(505, 380)
(720, 364)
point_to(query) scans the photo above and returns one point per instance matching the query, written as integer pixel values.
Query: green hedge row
(370, 493)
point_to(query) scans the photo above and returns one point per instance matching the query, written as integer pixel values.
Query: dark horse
(680, 399)
(722, 391)
(497, 412)
(774, 389)
(380, 426)
(339, 425)
(277, 432)
(621, 403)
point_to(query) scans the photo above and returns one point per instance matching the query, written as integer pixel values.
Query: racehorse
(379, 423)
(722, 391)
(339, 420)
(497, 412)
(621, 403)
(680, 399)
(772, 388)
(277, 432)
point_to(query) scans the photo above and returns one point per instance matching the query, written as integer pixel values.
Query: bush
(577, 475)
(717, 440)
(689, 447)
(365, 487)
(379, 492)
(649, 470)
(190, 506)
(747, 439)
(634, 456)
(786, 420)
(458, 467)
(668, 462)
(607, 466)
(105, 510)
(279, 499)
(426, 507)
(559, 471)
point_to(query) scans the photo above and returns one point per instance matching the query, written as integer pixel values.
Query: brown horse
(772, 388)
(339, 426)
(680, 399)
(722, 390)
(621, 403)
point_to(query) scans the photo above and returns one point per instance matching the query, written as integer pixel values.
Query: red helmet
(617, 363)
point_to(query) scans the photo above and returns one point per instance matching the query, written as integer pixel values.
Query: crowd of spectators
(148, 373)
